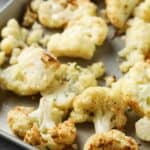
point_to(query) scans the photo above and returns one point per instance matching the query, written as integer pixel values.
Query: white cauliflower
(38, 35)
(135, 87)
(142, 127)
(73, 79)
(80, 38)
(33, 72)
(143, 11)
(137, 44)
(57, 13)
(101, 105)
(112, 140)
(118, 11)
(57, 136)
(13, 36)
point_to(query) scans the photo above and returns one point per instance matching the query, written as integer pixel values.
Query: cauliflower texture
(101, 105)
(142, 127)
(112, 140)
(137, 44)
(80, 38)
(57, 13)
(33, 72)
(56, 137)
(143, 11)
(13, 36)
(135, 87)
(118, 11)
(73, 79)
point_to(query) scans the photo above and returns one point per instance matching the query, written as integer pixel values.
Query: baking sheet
(106, 53)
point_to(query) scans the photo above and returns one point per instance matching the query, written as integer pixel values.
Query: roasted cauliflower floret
(73, 79)
(137, 44)
(13, 36)
(112, 140)
(135, 87)
(19, 121)
(57, 13)
(142, 127)
(33, 72)
(143, 11)
(100, 105)
(80, 38)
(55, 136)
(118, 11)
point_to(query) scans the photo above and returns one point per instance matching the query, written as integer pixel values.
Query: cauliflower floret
(14, 56)
(33, 72)
(57, 13)
(137, 45)
(13, 36)
(56, 137)
(143, 11)
(118, 11)
(72, 81)
(142, 127)
(38, 35)
(101, 105)
(112, 140)
(135, 87)
(19, 121)
(80, 38)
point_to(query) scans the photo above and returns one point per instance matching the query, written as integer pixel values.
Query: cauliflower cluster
(118, 11)
(112, 140)
(79, 39)
(13, 36)
(137, 44)
(135, 86)
(32, 73)
(70, 93)
(57, 13)
(56, 137)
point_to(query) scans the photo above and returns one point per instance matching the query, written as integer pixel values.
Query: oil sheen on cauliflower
(13, 36)
(73, 79)
(102, 106)
(137, 44)
(142, 127)
(80, 38)
(57, 13)
(56, 137)
(143, 11)
(32, 73)
(112, 140)
(135, 87)
(118, 11)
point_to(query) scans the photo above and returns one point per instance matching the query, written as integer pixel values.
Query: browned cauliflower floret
(33, 72)
(56, 136)
(118, 11)
(135, 88)
(80, 38)
(137, 44)
(19, 121)
(112, 140)
(101, 105)
(13, 36)
(57, 13)
(143, 11)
